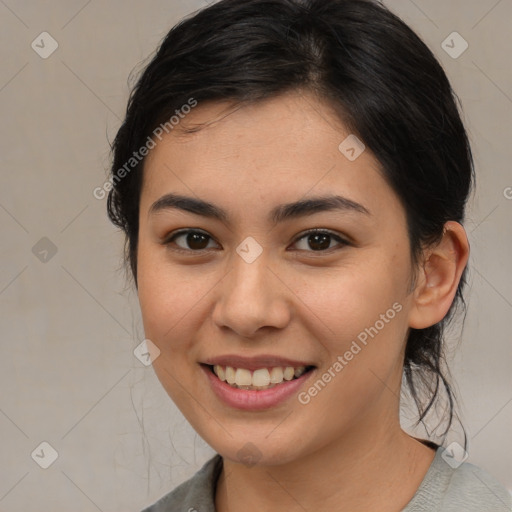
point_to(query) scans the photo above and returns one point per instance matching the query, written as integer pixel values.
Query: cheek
(364, 316)
(169, 300)
(361, 318)
(168, 295)
(350, 299)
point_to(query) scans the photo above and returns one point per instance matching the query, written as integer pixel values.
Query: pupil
(194, 240)
(317, 241)
(318, 245)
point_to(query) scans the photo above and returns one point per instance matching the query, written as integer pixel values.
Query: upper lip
(255, 362)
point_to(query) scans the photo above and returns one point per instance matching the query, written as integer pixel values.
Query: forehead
(277, 150)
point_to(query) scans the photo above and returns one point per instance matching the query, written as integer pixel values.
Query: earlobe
(439, 277)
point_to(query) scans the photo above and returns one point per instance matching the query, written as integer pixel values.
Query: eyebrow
(278, 214)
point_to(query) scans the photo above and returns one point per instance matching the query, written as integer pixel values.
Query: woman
(291, 176)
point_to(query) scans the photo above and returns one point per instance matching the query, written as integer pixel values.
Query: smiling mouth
(260, 379)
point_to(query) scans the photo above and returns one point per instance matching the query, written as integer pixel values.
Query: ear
(438, 277)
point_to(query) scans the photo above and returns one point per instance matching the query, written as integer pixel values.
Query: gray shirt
(466, 488)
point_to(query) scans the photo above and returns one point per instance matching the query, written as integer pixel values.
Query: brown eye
(191, 240)
(320, 241)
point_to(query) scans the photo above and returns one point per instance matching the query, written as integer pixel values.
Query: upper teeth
(259, 378)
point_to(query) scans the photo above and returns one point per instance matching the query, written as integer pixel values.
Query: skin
(345, 449)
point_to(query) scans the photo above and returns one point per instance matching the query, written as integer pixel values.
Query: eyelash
(169, 239)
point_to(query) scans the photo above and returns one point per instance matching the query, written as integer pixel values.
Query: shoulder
(450, 487)
(197, 494)
(475, 489)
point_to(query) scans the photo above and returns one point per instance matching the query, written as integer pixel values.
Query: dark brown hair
(386, 84)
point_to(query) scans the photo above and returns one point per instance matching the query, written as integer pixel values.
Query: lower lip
(253, 400)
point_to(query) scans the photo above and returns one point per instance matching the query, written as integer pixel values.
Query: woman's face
(251, 283)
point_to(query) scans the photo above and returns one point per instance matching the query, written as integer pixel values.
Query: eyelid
(343, 241)
(337, 236)
(185, 231)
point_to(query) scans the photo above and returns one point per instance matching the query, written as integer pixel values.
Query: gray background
(70, 324)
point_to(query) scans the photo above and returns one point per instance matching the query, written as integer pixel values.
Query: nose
(251, 298)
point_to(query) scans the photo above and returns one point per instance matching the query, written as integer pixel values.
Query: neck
(375, 466)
